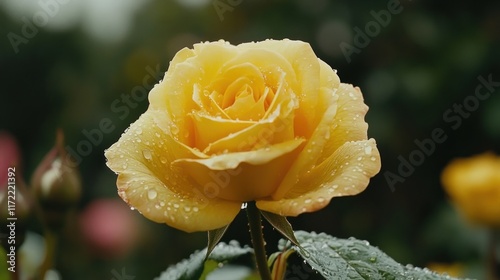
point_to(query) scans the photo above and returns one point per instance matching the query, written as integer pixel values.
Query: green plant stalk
(493, 261)
(50, 249)
(255, 224)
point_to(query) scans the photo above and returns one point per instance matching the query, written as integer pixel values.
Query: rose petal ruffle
(149, 182)
(345, 172)
(232, 176)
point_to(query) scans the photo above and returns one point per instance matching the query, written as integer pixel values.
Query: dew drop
(132, 208)
(147, 154)
(163, 160)
(124, 166)
(187, 208)
(373, 158)
(307, 201)
(305, 253)
(244, 205)
(176, 206)
(152, 194)
(368, 150)
(138, 131)
(195, 209)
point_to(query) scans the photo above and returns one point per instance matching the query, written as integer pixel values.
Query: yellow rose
(473, 185)
(266, 122)
(453, 270)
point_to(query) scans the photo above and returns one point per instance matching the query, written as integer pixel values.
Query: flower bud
(473, 185)
(56, 185)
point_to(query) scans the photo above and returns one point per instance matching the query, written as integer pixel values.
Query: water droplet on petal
(147, 154)
(152, 194)
(327, 134)
(138, 131)
(368, 150)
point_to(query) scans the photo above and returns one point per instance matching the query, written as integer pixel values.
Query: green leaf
(282, 225)
(214, 237)
(336, 258)
(196, 266)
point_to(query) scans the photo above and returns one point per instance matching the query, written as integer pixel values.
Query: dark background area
(412, 69)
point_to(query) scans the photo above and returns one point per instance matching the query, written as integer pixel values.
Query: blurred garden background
(71, 64)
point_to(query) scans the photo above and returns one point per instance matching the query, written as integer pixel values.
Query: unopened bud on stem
(56, 185)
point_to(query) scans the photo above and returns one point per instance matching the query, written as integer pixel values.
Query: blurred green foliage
(425, 59)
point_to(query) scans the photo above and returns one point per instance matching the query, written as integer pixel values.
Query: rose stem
(255, 224)
(493, 259)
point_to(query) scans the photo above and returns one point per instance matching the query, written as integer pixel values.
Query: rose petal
(209, 129)
(328, 76)
(346, 172)
(271, 64)
(188, 67)
(245, 107)
(306, 68)
(276, 129)
(314, 147)
(245, 73)
(207, 102)
(349, 123)
(149, 182)
(276, 126)
(217, 174)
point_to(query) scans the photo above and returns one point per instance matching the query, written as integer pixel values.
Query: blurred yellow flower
(266, 122)
(473, 185)
(453, 270)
